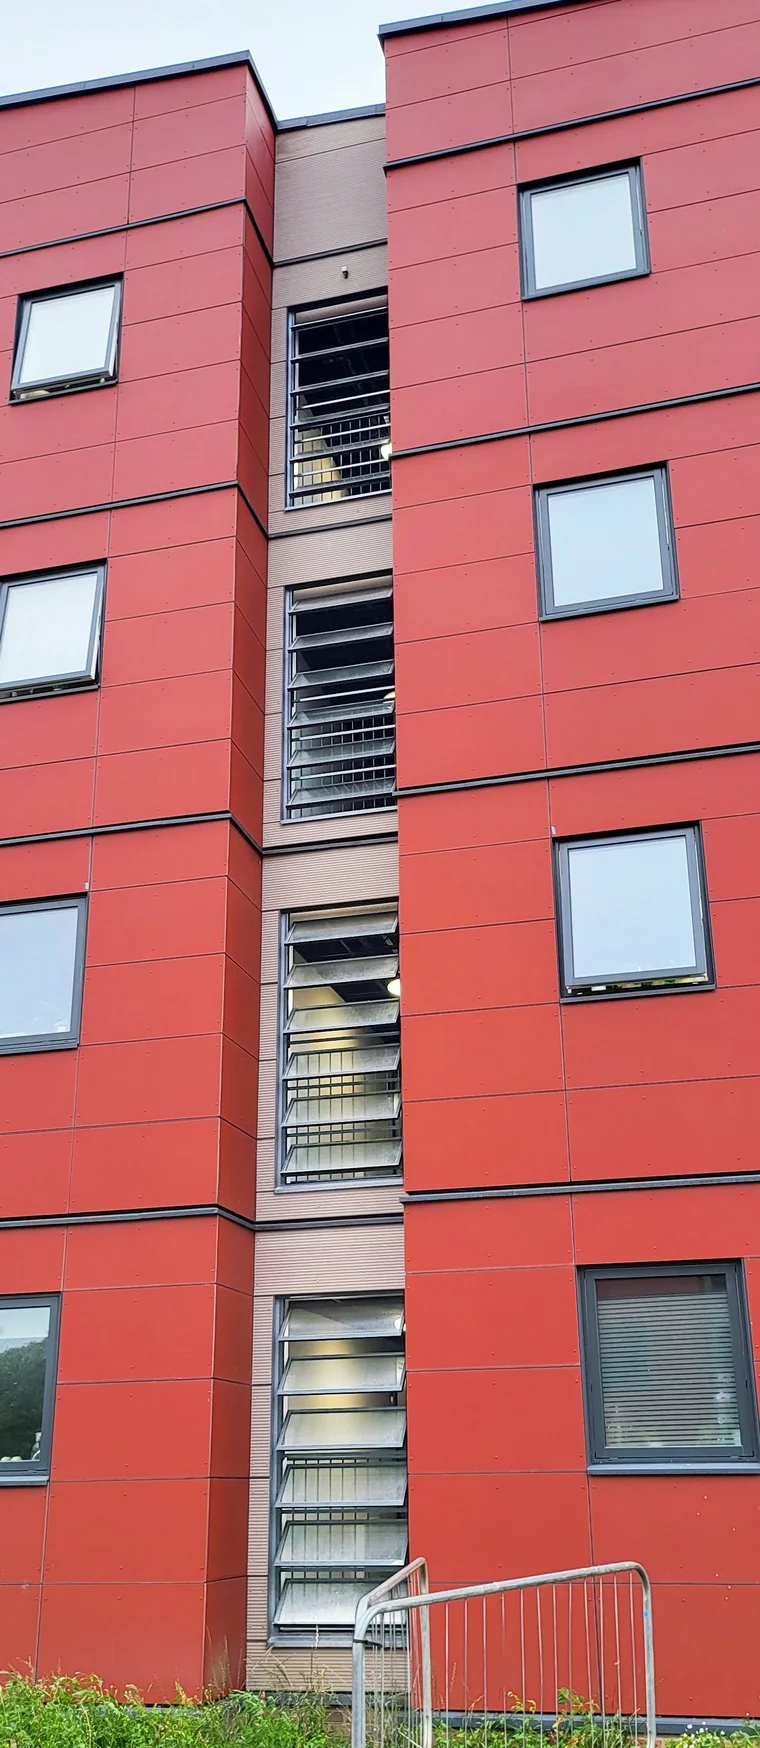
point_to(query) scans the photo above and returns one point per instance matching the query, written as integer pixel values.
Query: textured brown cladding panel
(330, 187)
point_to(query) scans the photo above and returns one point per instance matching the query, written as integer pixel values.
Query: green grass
(76, 1714)
(67, 1713)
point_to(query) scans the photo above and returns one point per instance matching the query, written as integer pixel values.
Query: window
(50, 631)
(341, 744)
(668, 1366)
(339, 419)
(584, 230)
(340, 1470)
(41, 968)
(340, 1113)
(28, 1344)
(605, 543)
(66, 339)
(633, 913)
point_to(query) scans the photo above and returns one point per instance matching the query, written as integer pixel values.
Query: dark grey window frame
(278, 1634)
(670, 981)
(297, 499)
(547, 609)
(284, 1184)
(37, 1473)
(24, 1045)
(51, 683)
(77, 382)
(605, 1459)
(633, 168)
(293, 597)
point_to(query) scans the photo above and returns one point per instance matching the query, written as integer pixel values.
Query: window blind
(668, 1366)
(340, 734)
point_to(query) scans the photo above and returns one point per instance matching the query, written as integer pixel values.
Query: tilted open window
(340, 1523)
(339, 402)
(340, 1110)
(633, 915)
(340, 729)
(583, 230)
(66, 339)
(50, 631)
(41, 974)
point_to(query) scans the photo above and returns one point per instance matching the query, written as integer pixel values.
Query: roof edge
(145, 76)
(469, 15)
(329, 115)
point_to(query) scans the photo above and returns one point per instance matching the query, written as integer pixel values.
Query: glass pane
(46, 629)
(335, 1320)
(68, 336)
(329, 1601)
(37, 956)
(631, 908)
(667, 1362)
(369, 1429)
(343, 1481)
(583, 230)
(309, 1377)
(24, 1331)
(605, 542)
(344, 1542)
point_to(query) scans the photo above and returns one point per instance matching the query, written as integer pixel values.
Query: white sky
(312, 55)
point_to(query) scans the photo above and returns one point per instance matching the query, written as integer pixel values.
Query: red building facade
(139, 1537)
(547, 1134)
(567, 868)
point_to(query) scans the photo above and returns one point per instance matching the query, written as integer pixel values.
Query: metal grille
(341, 739)
(562, 1657)
(339, 403)
(341, 1088)
(340, 1504)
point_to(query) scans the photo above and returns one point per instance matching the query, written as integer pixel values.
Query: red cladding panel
(145, 1635)
(501, 1525)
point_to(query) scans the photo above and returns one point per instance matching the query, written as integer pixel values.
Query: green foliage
(22, 1388)
(82, 1714)
(65, 1713)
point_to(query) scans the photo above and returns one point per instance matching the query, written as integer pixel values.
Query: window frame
(547, 609)
(47, 386)
(51, 684)
(686, 1459)
(301, 314)
(634, 170)
(345, 589)
(289, 1185)
(282, 1634)
(37, 1473)
(37, 1041)
(657, 982)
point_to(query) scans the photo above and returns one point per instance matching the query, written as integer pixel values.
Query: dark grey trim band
(221, 817)
(224, 485)
(162, 218)
(600, 767)
(359, 840)
(116, 81)
(694, 400)
(199, 1211)
(560, 127)
(330, 527)
(323, 120)
(439, 20)
(586, 1187)
(329, 254)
